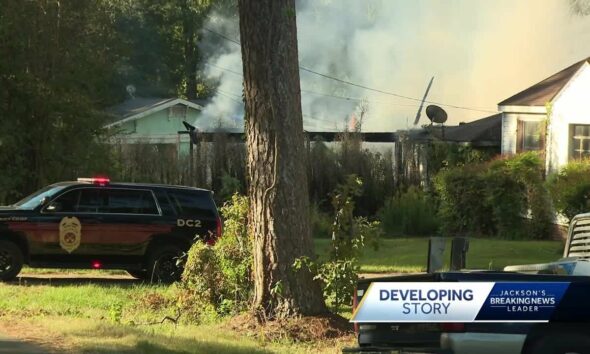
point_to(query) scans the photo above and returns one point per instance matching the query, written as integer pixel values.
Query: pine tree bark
(276, 161)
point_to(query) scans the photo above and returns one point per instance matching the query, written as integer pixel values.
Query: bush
(321, 223)
(504, 197)
(411, 213)
(462, 195)
(350, 236)
(217, 279)
(570, 189)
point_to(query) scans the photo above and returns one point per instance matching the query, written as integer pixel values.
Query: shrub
(570, 189)
(229, 186)
(321, 223)
(202, 283)
(528, 170)
(350, 235)
(462, 195)
(504, 197)
(217, 279)
(411, 213)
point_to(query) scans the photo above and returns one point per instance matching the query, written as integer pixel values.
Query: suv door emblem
(70, 233)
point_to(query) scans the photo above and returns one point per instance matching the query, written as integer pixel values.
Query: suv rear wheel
(164, 264)
(11, 260)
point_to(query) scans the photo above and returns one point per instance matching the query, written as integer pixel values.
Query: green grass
(405, 255)
(110, 318)
(113, 316)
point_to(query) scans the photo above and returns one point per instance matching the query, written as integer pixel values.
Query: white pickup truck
(560, 337)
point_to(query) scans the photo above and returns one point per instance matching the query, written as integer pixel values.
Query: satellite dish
(131, 90)
(436, 114)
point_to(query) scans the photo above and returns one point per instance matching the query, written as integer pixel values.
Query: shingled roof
(484, 132)
(546, 90)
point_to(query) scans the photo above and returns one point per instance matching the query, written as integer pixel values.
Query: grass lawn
(114, 316)
(410, 254)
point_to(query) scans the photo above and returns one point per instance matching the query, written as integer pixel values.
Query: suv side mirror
(43, 200)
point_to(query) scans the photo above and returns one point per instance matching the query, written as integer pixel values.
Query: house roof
(138, 107)
(546, 90)
(484, 132)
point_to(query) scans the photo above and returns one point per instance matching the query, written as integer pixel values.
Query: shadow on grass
(78, 280)
(103, 340)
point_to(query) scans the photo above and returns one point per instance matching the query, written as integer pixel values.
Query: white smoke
(479, 51)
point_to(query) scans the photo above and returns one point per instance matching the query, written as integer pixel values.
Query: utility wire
(345, 98)
(359, 85)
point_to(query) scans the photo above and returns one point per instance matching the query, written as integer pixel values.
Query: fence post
(459, 248)
(436, 250)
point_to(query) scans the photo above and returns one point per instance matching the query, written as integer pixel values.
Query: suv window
(89, 201)
(129, 201)
(112, 201)
(78, 200)
(194, 204)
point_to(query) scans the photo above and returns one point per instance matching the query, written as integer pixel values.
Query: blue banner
(473, 302)
(528, 301)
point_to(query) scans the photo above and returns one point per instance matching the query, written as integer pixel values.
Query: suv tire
(11, 260)
(163, 266)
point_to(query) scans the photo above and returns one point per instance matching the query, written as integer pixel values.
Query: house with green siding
(155, 121)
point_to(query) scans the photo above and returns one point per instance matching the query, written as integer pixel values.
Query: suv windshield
(33, 200)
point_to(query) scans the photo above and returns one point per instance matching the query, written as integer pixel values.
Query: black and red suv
(92, 223)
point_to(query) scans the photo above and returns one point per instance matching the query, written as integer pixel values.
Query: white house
(552, 116)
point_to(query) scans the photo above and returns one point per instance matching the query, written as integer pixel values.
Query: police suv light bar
(96, 180)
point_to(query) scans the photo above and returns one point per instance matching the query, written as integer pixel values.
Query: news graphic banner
(460, 302)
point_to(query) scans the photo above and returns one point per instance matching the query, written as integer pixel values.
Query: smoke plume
(480, 52)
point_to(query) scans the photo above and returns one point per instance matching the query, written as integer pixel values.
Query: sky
(479, 52)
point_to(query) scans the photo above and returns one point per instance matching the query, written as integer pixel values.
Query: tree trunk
(190, 53)
(278, 190)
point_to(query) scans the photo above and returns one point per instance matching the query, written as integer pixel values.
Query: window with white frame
(579, 141)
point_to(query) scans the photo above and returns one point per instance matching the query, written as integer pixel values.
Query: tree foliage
(58, 76)
(65, 61)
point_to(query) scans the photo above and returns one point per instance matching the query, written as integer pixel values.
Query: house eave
(523, 109)
(155, 109)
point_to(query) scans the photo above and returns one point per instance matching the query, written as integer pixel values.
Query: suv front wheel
(165, 264)
(11, 260)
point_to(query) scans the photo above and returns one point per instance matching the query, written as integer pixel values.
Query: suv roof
(131, 184)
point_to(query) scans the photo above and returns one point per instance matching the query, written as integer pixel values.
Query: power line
(228, 96)
(390, 93)
(346, 98)
(362, 86)
(221, 35)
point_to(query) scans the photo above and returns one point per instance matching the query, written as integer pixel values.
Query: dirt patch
(33, 334)
(301, 329)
